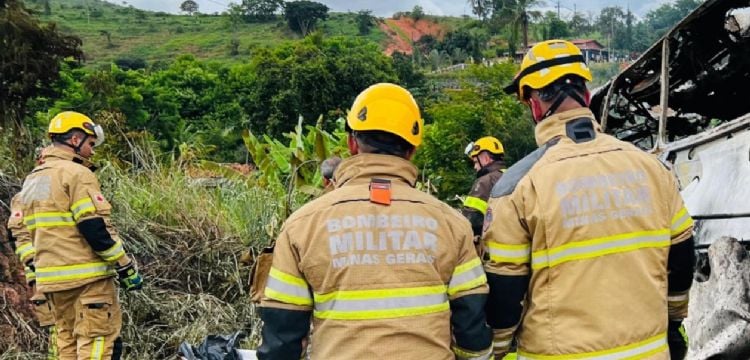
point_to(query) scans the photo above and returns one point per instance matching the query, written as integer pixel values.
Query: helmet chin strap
(75, 148)
(564, 93)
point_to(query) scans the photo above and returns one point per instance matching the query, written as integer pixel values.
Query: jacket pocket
(94, 318)
(259, 276)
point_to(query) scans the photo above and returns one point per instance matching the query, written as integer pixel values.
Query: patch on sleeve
(18, 214)
(103, 207)
(487, 220)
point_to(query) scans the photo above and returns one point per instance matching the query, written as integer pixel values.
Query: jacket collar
(492, 167)
(52, 153)
(363, 167)
(554, 125)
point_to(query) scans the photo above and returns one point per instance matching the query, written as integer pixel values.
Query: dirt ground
(412, 30)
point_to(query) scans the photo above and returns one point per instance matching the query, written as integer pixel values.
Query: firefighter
(385, 271)
(487, 155)
(590, 245)
(76, 252)
(20, 241)
(327, 169)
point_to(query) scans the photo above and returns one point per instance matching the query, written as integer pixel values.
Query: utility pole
(558, 9)
(611, 38)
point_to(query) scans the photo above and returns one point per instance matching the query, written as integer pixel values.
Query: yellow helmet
(487, 143)
(390, 108)
(69, 120)
(546, 62)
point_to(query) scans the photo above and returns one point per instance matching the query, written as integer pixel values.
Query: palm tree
(480, 8)
(518, 13)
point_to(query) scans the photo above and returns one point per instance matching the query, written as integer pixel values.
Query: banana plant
(295, 165)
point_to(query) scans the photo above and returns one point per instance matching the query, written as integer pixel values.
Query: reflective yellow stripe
(52, 346)
(472, 355)
(287, 288)
(467, 276)
(381, 303)
(81, 207)
(113, 253)
(48, 219)
(287, 278)
(502, 253)
(681, 221)
(97, 348)
(73, 272)
(25, 251)
(653, 345)
(30, 275)
(476, 203)
(501, 344)
(678, 299)
(593, 248)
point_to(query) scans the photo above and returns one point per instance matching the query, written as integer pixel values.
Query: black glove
(129, 277)
(678, 344)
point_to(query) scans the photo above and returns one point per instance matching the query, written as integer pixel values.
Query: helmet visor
(469, 148)
(98, 131)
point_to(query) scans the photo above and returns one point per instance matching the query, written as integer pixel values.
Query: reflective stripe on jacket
(380, 280)
(57, 196)
(588, 220)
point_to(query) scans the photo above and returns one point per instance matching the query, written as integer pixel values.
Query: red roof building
(592, 50)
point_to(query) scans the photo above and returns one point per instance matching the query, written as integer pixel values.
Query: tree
(518, 13)
(579, 25)
(408, 75)
(302, 16)
(553, 27)
(481, 8)
(665, 16)
(189, 6)
(470, 40)
(478, 108)
(610, 20)
(309, 78)
(234, 46)
(107, 35)
(417, 13)
(365, 21)
(30, 57)
(261, 10)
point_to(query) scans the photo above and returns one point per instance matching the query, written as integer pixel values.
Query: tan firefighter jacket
(380, 279)
(60, 199)
(20, 238)
(475, 203)
(587, 220)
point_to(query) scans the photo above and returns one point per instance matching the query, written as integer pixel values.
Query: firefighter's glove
(677, 340)
(129, 277)
(30, 272)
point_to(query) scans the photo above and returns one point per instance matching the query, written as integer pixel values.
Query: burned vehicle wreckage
(687, 100)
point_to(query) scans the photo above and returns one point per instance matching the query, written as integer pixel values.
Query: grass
(158, 36)
(602, 72)
(188, 239)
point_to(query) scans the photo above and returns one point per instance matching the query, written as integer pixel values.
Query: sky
(386, 8)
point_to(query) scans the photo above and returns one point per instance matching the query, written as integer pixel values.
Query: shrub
(130, 63)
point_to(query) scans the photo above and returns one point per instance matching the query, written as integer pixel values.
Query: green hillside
(155, 36)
